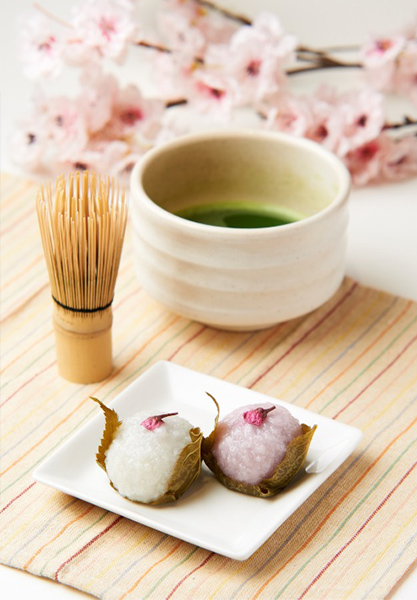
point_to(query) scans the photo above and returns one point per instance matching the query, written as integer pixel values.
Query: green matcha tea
(240, 215)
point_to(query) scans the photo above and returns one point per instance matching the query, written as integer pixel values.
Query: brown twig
(178, 102)
(319, 59)
(164, 49)
(157, 47)
(319, 66)
(406, 122)
(51, 15)
(225, 12)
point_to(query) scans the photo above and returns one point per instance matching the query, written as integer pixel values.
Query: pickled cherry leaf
(209, 441)
(112, 424)
(186, 469)
(293, 461)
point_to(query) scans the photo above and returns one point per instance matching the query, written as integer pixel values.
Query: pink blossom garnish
(257, 416)
(152, 423)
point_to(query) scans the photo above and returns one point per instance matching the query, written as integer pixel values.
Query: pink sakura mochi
(252, 440)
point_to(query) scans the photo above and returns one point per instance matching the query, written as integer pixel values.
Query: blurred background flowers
(206, 64)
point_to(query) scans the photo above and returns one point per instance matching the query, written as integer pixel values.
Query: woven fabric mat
(353, 360)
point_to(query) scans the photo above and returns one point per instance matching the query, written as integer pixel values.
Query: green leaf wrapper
(284, 472)
(186, 469)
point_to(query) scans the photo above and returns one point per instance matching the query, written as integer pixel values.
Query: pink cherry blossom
(180, 34)
(105, 26)
(170, 131)
(410, 29)
(255, 58)
(406, 73)
(27, 145)
(132, 113)
(252, 66)
(382, 50)
(98, 94)
(364, 163)
(363, 119)
(188, 15)
(328, 94)
(77, 52)
(210, 93)
(40, 48)
(173, 74)
(122, 168)
(326, 123)
(66, 127)
(379, 60)
(215, 28)
(99, 156)
(289, 114)
(400, 158)
(213, 65)
(269, 26)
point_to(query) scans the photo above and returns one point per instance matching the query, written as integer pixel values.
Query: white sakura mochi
(250, 453)
(140, 462)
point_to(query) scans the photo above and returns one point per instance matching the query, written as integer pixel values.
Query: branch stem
(225, 12)
(406, 122)
(50, 15)
(318, 66)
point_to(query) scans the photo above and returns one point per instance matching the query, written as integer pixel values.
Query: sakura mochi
(149, 459)
(257, 449)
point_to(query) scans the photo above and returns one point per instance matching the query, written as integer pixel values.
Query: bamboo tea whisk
(82, 226)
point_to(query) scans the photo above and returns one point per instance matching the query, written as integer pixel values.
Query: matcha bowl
(240, 230)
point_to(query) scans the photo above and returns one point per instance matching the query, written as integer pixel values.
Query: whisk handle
(83, 344)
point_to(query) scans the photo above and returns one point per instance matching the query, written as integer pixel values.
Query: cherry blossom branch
(320, 59)
(225, 12)
(51, 15)
(163, 49)
(323, 65)
(152, 46)
(406, 122)
(178, 102)
(300, 49)
(347, 48)
(304, 53)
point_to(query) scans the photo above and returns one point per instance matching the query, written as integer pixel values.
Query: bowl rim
(341, 198)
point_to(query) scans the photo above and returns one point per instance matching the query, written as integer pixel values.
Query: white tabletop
(382, 247)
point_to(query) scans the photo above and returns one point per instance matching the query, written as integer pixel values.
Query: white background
(382, 249)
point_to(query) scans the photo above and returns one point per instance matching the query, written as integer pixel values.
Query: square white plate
(208, 514)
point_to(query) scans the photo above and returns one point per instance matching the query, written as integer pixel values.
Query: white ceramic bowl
(240, 279)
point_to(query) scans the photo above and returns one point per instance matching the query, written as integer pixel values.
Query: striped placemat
(353, 360)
